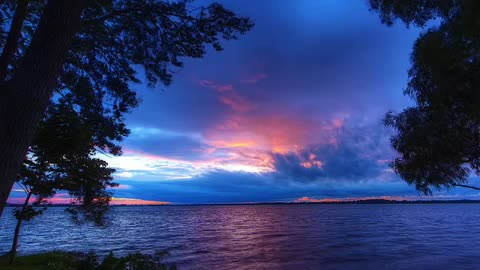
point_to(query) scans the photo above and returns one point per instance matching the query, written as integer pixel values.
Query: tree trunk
(14, 34)
(13, 252)
(24, 99)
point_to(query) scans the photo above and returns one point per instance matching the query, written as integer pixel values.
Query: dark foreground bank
(58, 260)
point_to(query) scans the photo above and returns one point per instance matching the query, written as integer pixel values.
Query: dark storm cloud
(240, 187)
(358, 153)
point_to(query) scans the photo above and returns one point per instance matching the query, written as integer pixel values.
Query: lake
(316, 236)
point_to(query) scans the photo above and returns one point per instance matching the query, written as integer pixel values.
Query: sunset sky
(292, 111)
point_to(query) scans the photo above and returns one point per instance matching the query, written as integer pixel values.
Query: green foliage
(438, 139)
(136, 261)
(55, 260)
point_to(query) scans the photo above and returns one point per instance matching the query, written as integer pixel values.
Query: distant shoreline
(373, 201)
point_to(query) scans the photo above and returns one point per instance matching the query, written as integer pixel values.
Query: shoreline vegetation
(371, 201)
(61, 260)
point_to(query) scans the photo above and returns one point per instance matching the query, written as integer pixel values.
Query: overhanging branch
(466, 186)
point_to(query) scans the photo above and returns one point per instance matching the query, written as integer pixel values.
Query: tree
(438, 139)
(61, 158)
(52, 45)
(89, 177)
(35, 184)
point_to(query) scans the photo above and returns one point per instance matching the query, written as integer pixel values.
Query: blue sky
(291, 110)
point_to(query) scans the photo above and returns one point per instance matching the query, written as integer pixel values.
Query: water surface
(413, 236)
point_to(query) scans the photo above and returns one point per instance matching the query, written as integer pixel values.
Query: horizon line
(360, 201)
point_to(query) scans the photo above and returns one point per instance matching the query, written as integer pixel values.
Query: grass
(55, 260)
(60, 260)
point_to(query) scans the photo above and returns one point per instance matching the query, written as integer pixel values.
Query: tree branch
(126, 11)
(111, 15)
(466, 186)
(24, 187)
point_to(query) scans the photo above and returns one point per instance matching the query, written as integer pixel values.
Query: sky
(292, 111)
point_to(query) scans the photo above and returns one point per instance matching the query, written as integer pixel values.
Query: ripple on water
(430, 236)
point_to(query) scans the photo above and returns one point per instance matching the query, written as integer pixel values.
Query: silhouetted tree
(34, 182)
(50, 46)
(86, 180)
(61, 158)
(438, 139)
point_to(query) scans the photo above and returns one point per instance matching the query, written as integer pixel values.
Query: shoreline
(373, 201)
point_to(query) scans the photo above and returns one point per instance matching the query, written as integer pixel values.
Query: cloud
(164, 142)
(114, 201)
(139, 133)
(132, 201)
(134, 164)
(276, 107)
(292, 148)
(354, 156)
(278, 132)
(229, 96)
(221, 186)
(123, 186)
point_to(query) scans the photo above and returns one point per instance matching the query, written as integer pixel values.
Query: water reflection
(273, 237)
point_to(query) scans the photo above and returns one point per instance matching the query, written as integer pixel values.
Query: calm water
(438, 236)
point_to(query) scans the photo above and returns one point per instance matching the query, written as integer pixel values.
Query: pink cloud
(54, 200)
(131, 201)
(229, 96)
(337, 123)
(274, 132)
(115, 201)
(237, 102)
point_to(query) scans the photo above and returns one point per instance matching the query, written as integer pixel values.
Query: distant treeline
(372, 201)
(380, 201)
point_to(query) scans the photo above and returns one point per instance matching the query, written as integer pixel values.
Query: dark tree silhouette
(34, 183)
(51, 45)
(61, 158)
(86, 183)
(438, 139)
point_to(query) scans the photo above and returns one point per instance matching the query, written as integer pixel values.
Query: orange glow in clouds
(312, 164)
(223, 144)
(243, 141)
(130, 201)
